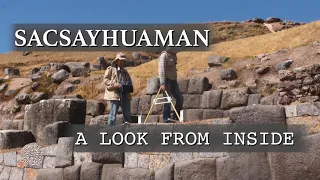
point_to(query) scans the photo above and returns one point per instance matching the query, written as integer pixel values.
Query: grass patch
(88, 90)
(46, 85)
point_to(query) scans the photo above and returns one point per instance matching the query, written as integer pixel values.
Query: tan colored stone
(159, 161)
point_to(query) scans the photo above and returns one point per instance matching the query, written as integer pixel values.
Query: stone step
(15, 138)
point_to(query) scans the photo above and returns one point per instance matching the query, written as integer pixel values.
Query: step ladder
(155, 102)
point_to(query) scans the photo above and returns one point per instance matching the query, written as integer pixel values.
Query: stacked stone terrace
(301, 84)
(201, 101)
(36, 148)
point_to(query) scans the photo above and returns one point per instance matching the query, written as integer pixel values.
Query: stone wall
(301, 84)
(44, 154)
(201, 101)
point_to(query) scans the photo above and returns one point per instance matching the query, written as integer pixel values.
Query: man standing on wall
(118, 88)
(167, 71)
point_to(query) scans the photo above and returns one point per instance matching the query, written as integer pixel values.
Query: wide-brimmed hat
(120, 56)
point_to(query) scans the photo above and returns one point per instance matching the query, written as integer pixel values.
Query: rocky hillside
(267, 78)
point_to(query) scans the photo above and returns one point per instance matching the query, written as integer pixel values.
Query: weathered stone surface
(264, 59)
(95, 108)
(78, 69)
(134, 105)
(191, 101)
(52, 132)
(59, 76)
(72, 172)
(64, 152)
(3, 87)
(193, 114)
(90, 170)
(65, 88)
(34, 70)
(32, 156)
(117, 173)
(197, 169)
(74, 80)
(81, 157)
(23, 99)
(11, 92)
(49, 162)
(309, 99)
(58, 66)
(302, 165)
(262, 70)
(228, 74)
(181, 156)
(307, 81)
(244, 166)
(131, 160)
(285, 75)
(165, 173)
(143, 161)
(16, 174)
(10, 159)
(270, 100)
(38, 96)
(136, 56)
(284, 65)
(153, 85)
(213, 154)
(12, 71)
(44, 68)
(46, 112)
(258, 114)
(158, 161)
(291, 111)
(73, 96)
(102, 63)
(216, 60)
(108, 157)
(6, 124)
(308, 109)
(144, 104)
(5, 174)
(50, 174)
(314, 69)
(30, 174)
(49, 150)
(15, 138)
(1, 159)
(317, 78)
(221, 121)
(99, 120)
(153, 119)
(211, 99)
(254, 99)
(183, 85)
(234, 98)
(211, 114)
(198, 85)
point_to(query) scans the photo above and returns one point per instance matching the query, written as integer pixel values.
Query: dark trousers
(173, 90)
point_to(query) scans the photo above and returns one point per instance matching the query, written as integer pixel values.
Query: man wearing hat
(167, 72)
(118, 88)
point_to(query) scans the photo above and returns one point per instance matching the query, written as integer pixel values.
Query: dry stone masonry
(301, 84)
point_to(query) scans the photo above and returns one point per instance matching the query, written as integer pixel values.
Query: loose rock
(228, 74)
(60, 76)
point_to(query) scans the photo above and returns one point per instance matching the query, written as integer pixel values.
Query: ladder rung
(169, 100)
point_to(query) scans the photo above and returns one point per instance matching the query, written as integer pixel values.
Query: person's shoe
(172, 120)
